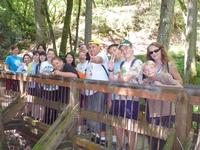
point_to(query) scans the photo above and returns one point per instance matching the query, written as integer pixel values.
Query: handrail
(183, 97)
(143, 91)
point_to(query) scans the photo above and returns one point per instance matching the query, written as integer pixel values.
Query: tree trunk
(70, 39)
(52, 37)
(166, 22)
(88, 21)
(77, 24)
(66, 27)
(190, 71)
(41, 37)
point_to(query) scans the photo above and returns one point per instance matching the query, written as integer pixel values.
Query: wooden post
(2, 137)
(74, 95)
(183, 120)
(109, 136)
(21, 84)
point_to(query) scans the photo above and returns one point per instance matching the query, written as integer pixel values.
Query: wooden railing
(183, 99)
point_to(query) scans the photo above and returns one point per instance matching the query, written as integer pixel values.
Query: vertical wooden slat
(109, 136)
(21, 86)
(74, 95)
(62, 126)
(183, 120)
(2, 137)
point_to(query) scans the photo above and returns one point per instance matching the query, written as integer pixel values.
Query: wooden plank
(84, 143)
(195, 100)
(14, 124)
(36, 124)
(13, 109)
(53, 137)
(47, 103)
(156, 93)
(140, 127)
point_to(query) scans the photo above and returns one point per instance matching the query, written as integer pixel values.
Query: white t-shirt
(82, 67)
(96, 71)
(46, 69)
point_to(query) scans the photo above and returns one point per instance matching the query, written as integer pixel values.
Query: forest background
(64, 24)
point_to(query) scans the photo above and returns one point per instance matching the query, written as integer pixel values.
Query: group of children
(117, 63)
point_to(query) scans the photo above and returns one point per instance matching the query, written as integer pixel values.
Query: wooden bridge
(50, 119)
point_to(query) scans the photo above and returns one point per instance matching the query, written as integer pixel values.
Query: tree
(17, 21)
(166, 22)
(66, 27)
(77, 24)
(41, 37)
(88, 21)
(52, 37)
(190, 71)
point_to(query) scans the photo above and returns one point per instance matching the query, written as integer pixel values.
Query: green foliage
(179, 61)
(179, 22)
(16, 21)
(111, 3)
(169, 142)
(187, 145)
(195, 110)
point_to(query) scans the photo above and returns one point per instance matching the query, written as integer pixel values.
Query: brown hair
(56, 58)
(51, 50)
(164, 56)
(14, 47)
(43, 46)
(73, 57)
(25, 56)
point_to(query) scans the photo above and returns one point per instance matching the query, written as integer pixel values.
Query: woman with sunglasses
(157, 53)
(165, 116)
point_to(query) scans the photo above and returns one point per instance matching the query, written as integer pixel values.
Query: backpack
(133, 61)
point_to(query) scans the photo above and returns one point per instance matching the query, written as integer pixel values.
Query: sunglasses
(155, 51)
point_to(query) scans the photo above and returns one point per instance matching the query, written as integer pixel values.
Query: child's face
(58, 65)
(149, 70)
(82, 57)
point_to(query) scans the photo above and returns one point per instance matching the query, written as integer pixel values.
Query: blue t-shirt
(13, 62)
(117, 65)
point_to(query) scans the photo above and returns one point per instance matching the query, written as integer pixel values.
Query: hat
(125, 43)
(94, 41)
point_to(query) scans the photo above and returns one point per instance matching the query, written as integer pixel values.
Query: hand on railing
(56, 73)
(9, 72)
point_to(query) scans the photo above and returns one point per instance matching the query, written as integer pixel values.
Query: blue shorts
(125, 108)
